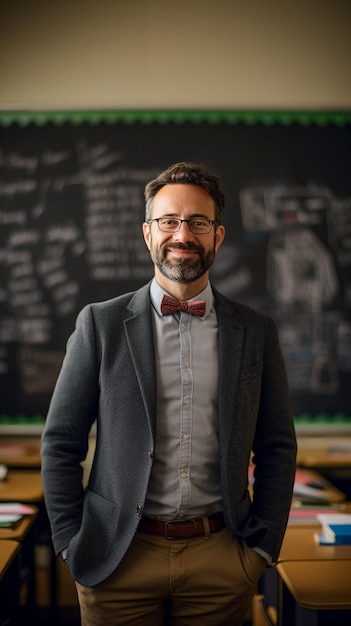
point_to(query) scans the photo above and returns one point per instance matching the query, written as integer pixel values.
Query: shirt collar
(156, 293)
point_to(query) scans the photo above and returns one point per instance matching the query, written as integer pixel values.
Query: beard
(182, 270)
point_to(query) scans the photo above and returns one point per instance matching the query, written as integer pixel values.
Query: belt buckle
(166, 529)
(179, 522)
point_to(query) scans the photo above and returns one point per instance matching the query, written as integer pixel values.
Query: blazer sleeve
(274, 449)
(72, 411)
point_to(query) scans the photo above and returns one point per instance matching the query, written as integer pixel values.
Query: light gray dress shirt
(185, 481)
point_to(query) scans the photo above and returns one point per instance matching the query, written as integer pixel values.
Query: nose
(184, 232)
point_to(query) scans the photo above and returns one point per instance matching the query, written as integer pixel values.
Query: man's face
(182, 256)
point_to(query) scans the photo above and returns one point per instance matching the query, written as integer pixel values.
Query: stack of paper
(307, 514)
(336, 529)
(310, 487)
(12, 512)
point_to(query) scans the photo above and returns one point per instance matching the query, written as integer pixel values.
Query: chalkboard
(71, 209)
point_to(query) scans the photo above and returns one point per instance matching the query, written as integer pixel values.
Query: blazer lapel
(230, 342)
(138, 329)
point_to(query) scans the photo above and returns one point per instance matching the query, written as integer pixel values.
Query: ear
(147, 233)
(219, 236)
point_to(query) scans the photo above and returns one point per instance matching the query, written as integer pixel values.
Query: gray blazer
(108, 377)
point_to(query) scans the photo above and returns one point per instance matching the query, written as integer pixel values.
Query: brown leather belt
(182, 530)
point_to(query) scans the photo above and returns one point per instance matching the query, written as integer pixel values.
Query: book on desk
(314, 495)
(336, 529)
(312, 488)
(12, 512)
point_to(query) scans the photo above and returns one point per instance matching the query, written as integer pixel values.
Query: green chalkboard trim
(304, 418)
(22, 420)
(267, 118)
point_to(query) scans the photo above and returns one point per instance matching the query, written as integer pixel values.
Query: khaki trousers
(204, 581)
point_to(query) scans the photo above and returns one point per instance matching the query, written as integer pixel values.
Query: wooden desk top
(8, 551)
(22, 486)
(17, 452)
(324, 458)
(318, 585)
(300, 545)
(327, 452)
(21, 529)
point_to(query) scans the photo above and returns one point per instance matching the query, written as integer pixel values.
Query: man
(182, 400)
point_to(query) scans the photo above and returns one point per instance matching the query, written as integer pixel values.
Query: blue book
(324, 540)
(336, 529)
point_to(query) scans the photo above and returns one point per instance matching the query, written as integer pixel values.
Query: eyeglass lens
(195, 225)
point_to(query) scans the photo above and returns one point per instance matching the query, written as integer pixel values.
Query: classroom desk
(310, 583)
(327, 455)
(26, 486)
(22, 486)
(320, 585)
(18, 452)
(9, 581)
(312, 593)
(313, 577)
(8, 551)
(303, 516)
(25, 533)
(322, 489)
(300, 545)
(331, 456)
(22, 528)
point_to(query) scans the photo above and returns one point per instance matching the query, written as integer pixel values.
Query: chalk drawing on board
(272, 208)
(301, 278)
(300, 270)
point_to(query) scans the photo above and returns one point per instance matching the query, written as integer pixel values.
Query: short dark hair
(186, 174)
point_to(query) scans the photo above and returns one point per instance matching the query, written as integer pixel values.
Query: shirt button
(186, 400)
(185, 436)
(183, 474)
(186, 363)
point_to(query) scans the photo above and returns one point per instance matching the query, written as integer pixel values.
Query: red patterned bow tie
(171, 305)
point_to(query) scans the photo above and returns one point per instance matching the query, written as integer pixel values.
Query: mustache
(183, 246)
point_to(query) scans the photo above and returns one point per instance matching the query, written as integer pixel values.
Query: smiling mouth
(183, 249)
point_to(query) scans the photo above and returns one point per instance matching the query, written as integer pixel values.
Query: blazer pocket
(251, 372)
(97, 531)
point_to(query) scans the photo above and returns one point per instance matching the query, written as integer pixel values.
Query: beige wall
(240, 54)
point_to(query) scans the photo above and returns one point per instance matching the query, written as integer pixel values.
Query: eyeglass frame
(178, 219)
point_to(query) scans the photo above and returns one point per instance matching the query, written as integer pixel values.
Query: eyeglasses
(196, 225)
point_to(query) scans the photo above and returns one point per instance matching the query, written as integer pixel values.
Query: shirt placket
(186, 375)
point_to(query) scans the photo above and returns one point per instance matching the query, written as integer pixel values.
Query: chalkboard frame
(178, 116)
(250, 118)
